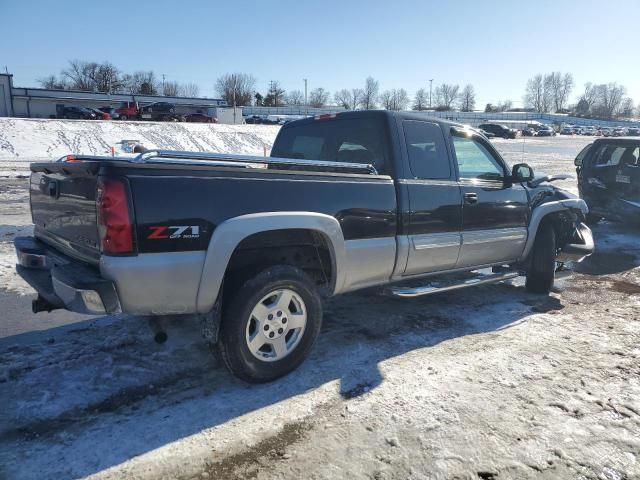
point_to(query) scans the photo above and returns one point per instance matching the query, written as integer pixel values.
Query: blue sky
(494, 45)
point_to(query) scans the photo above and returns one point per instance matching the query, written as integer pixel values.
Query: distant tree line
(550, 93)
(107, 78)
(543, 93)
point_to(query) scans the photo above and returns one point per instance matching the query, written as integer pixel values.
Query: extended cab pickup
(252, 244)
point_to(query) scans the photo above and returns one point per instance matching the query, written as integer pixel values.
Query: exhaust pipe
(159, 333)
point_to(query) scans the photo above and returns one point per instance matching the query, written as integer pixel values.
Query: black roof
(618, 140)
(377, 113)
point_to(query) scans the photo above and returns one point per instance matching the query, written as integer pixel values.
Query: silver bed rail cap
(246, 161)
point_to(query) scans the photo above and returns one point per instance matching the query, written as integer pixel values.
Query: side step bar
(441, 286)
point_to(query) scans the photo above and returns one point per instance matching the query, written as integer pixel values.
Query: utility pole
(305, 92)
(430, 88)
(163, 84)
(235, 87)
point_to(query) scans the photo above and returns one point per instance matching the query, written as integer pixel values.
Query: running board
(441, 286)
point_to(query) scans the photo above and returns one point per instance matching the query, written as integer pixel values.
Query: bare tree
(170, 89)
(534, 95)
(343, 98)
(236, 88)
(446, 96)
(356, 97)
(468, 98)
(626, 108)
(318, 97)
(106, 77)
(547, 93)
(503, 106)
(369, 97)
(189, 90)
(559, 87)
(420, 100)
(295, 97)
(396, 99)
(80, 75)
(590, 95)
(610, 97)
(52, 82)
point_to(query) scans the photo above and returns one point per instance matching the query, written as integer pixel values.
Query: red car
(200, 118)
(100, 115)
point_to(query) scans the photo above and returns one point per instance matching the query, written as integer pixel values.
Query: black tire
(541, 273)
(237, 318)
(123, 117)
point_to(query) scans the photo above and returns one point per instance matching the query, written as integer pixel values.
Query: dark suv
(159, 111)
(80, 113)
(609, 178)
(498, 130)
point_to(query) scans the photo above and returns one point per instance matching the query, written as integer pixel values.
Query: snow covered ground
(27, 140)
(486, 383)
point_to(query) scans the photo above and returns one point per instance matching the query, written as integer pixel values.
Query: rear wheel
(123, 117)
(270, 324)
(541, 273)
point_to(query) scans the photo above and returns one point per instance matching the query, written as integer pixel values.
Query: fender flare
(228, 235)
(541, 211)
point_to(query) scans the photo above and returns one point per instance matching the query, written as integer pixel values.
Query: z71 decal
(174, 232)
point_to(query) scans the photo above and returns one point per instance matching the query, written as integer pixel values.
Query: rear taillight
(114, 216)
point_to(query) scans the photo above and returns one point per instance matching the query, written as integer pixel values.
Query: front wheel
(270, 324)
(541, 273)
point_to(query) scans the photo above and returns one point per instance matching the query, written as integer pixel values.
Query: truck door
(494, 212)
(435, 202)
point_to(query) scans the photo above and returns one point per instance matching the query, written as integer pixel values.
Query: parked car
(160, 111)
(489, 135)
(619, 132)
(348, 213)
(499, 130)
(80, 113)
(529, 132)
(111, 111)
(606, 131)
(567, 130)
(253, 120)
(128, 111)
(609, 179)
(200, 118)
(588, 131)
(633, 131)
(545, 132)
(100, 115)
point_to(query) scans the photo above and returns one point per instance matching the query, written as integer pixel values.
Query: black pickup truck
(252, 244)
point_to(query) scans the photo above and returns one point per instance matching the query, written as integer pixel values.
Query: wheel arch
(229, 234)
(549, 212)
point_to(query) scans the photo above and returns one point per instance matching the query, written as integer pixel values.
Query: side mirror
(522, 172)
(578, 162)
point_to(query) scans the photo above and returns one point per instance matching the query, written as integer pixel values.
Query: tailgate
(63, 208)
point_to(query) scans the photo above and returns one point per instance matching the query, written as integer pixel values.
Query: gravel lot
(486, 383)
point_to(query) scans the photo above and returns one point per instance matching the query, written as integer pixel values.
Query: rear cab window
(350, 140)
(428, 157)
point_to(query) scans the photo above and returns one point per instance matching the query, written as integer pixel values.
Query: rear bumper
(580, 247)
(62, 282)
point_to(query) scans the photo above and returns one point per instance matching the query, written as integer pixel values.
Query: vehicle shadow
(617, 249)
(101, 393)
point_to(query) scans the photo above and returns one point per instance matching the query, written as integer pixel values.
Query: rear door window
(426, 149)
(609, 156)
(351, 140)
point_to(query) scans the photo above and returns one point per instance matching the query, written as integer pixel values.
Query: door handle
(470, 198)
